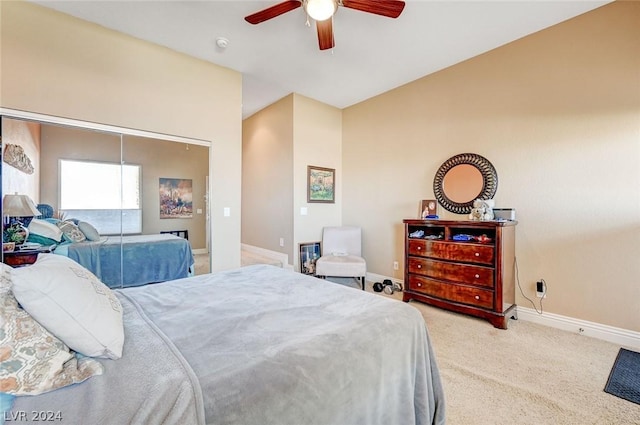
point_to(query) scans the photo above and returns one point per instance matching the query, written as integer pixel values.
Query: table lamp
(17, 211)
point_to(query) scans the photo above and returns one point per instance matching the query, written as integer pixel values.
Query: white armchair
(342, 254)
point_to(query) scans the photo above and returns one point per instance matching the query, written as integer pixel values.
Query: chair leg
(363, 277)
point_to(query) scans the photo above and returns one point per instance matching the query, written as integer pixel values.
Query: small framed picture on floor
(309, 254)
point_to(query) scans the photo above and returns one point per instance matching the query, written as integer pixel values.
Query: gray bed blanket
(272, 346)
(268, 346)
(151, 384)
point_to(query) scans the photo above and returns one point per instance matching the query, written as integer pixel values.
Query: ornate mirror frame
(489, 181)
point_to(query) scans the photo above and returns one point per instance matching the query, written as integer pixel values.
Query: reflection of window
(103, 194)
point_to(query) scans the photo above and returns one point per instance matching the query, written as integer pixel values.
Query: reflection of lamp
(320, 10)
(18, 211)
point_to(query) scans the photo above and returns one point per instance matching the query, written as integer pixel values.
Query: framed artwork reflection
(321, 184)
(176, 198)
(309, 254)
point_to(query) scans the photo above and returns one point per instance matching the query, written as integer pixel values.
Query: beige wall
(57, 65)
(167, 159)
(26, 135)
(267, 178)
(279, 142)
(318, 141)
(558, 115)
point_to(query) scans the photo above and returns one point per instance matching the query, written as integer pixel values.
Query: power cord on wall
(525, 297)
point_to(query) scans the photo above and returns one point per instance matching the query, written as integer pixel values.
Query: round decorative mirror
(462, 179)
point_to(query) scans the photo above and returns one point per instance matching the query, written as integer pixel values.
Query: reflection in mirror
(462, 182)
(107, 186)
(174, 187)
(80, 175)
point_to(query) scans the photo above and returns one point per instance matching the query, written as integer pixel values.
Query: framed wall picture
(321, 184)
(176, 198)
(428, 207)
(309, 254)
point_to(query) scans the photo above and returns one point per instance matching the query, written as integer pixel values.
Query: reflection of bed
(259, 345)
(144, 258)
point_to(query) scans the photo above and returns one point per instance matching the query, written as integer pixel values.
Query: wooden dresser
(463, 266)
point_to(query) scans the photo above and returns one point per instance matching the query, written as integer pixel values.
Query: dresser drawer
(464, 252)
(452, 292)
(454, 272)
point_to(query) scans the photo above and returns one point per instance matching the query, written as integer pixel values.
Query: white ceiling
(372, 54)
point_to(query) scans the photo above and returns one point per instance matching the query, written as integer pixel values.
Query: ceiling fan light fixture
(320, 10)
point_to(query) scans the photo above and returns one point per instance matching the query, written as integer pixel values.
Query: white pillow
(46, 229)
(71, 303)
(90, 232)
(36, 361)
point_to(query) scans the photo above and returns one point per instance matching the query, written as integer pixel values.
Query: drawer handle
(419, 266)
(477, 276)
(477, 297)
(477, 254)
(420, 285)
(419, 248)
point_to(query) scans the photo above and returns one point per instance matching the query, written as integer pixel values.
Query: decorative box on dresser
(475, 276)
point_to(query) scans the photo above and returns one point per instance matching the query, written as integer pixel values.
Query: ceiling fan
(322, 12)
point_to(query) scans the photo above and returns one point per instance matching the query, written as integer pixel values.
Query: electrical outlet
(541, 289)
(395, 265)
(281, 241)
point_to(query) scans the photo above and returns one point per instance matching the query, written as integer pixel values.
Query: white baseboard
(200, 251)
(278, 256)
(622, 337)
(612, 334)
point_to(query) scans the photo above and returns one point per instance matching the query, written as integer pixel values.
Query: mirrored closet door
(131, 207)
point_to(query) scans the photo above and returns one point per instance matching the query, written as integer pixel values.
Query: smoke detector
(222, 42)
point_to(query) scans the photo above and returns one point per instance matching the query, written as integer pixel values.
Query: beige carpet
(202, 263)
(528, 374)
(247, 259)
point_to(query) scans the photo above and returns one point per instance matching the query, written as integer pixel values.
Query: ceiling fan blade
(388, 8)
(273, 11)
(325, 34)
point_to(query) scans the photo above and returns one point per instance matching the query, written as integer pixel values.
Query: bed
(258, 345)
(144, 258)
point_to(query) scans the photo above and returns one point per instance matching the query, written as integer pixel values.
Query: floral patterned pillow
(32, 360)
(71, 231)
